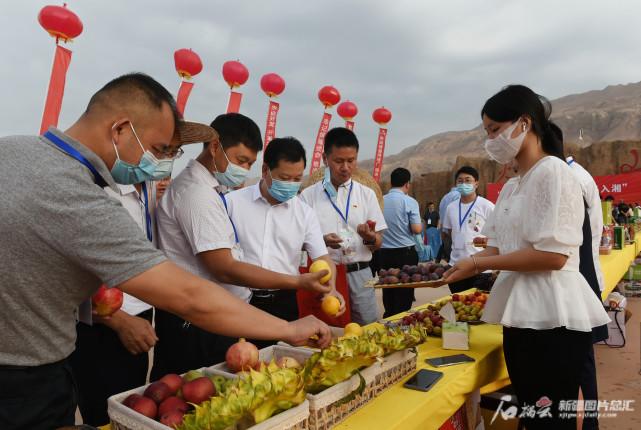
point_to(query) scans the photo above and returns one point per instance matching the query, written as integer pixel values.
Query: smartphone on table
(449, 360)
(423, 380)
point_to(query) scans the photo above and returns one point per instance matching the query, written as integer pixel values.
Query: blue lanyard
(74, 153)
(222, 196)
(570, 162)
(462, 221)
(147, 214)
(349, 198)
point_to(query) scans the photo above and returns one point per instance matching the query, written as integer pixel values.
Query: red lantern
(329, 96)
(188, 63)
(382, 116)
(272, 84)
(235, 73)
(347, 110)
(60, 22)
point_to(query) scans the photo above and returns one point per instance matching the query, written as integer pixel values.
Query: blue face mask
(149, 168)
(283, 190)
(233, 176)
(328, 186)
(465, 189)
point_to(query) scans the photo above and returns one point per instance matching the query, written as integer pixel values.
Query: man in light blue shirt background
(403, 219)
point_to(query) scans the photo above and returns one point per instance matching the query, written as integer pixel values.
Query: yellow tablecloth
(615, 265)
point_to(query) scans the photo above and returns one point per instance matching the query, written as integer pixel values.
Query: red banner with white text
(233, 106)
(317, 155)
(624, 187)
(270, 127)
(183, 95)
(56, 91)
(380, 152)
(349, 125)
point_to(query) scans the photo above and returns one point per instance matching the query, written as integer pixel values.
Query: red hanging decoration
(188, 65)
(328, 96)
(381, 116)
(64, 25)
(273, 85)
(235, 74)
(347, 110)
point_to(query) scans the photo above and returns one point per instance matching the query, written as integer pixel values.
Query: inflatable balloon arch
(64, 25)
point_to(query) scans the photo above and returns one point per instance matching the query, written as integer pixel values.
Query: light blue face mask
(233, 176)
(465, 189)
(149, 167)
(283, 190)
(328, 186)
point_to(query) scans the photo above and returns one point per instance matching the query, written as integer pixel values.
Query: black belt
(355, 267)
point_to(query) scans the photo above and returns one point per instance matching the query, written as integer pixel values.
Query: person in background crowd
(118, 345)
(622, 214)
(432, 222)
(344, 207)
(123, 136)
(463, 221)
(545, 305)
(195, 232)
(288, 225)
(446, 247)
(403, 221)
(161, 187)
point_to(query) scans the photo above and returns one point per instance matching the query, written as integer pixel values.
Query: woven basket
(359, 175)
(124, 418)
(327, 409)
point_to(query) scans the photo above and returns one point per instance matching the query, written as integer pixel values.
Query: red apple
(158, 391)
(456, 297)
(371, 224)
(241, 355)
(172, 419)
(172, 403)
(106, 301)
(173, 381)
(145, 406)
(130, 399)
(198, 390)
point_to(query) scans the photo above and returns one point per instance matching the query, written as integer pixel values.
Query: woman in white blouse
(545, 305)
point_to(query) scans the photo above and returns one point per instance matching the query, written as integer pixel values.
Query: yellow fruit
(353, 329)
(330, 305)
(320, 265)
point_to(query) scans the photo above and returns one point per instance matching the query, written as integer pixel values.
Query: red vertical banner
(183, 95)
(234, 102)
(317, 156)
(380, 151)
(349, 125)
(270, 127)
(56, 91)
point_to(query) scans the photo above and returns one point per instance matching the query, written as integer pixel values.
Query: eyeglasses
(167, 151)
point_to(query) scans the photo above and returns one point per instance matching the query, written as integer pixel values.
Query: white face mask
(504, 148)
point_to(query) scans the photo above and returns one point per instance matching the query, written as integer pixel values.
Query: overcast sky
(432, 63)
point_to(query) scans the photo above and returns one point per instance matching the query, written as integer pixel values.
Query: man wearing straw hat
(351, 219)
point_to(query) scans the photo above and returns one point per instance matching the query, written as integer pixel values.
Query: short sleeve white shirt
(274, 236)
(465, 222)
(134, 203)
(192, 219)
(363, 206)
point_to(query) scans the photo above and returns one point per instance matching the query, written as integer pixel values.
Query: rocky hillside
(610, 114)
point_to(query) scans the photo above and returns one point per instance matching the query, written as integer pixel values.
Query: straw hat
(359, 175)
(195, 132)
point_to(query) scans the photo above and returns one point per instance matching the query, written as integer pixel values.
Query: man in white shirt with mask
(344, 207)
(196, 233)
(463, 221)
(273, 225)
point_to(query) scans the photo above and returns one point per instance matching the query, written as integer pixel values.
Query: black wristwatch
(369, 242)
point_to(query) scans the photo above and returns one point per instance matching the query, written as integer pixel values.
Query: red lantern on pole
(347, 110)
(328, 96)
(273, 85)
(381, 116)
(63, 25)
(188, 65)
(235, 74)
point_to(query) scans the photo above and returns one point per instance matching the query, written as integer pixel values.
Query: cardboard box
(456, 335)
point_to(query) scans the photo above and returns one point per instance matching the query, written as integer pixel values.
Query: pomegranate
(241, 355)
(106, 301)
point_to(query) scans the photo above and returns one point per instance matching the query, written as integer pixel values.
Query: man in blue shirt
(403, 219)
(446, 241)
